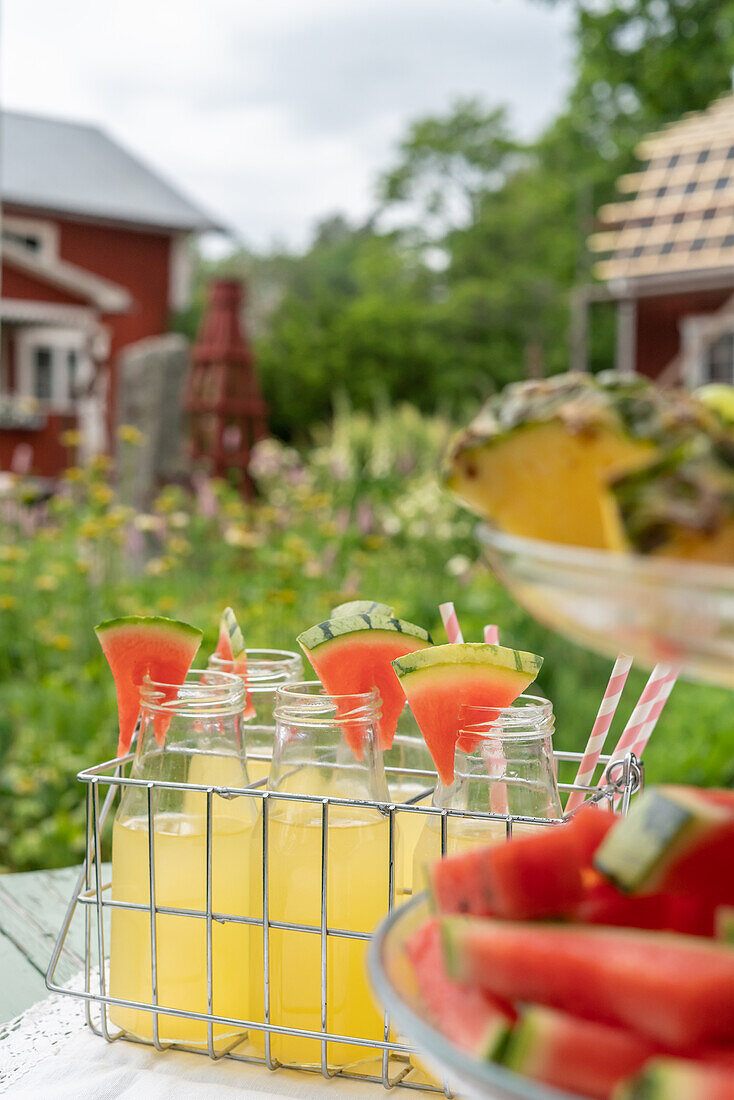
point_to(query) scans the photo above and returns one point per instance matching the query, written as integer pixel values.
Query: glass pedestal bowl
(394, 985)
(654, 609)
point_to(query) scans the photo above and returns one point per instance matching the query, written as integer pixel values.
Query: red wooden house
(95, 256)
(667, 255)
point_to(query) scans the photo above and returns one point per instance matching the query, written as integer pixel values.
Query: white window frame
(46, 232)
(60, 342)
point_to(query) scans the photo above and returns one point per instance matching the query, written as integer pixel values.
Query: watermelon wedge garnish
(231, 647)
(352, 655)
(443, 683)
(138, 646)
(361, 607)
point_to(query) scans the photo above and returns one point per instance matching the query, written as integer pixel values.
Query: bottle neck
(327, 745)
(266, 669)
(504, 762)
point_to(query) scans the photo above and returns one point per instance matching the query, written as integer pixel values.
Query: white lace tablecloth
(48, 1053)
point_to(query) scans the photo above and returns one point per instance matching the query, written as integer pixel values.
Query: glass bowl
(394, 985)
(654, 609)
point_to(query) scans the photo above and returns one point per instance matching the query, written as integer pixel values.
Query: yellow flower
(70, 438)
(283, 595)
(177, 545)
(74, 473)
(179, 520)
(13, 553)
(90, 529)
(328, 530)
(233, 508)
(101, 463)
(116, 516)
(61, 642)
(46, 583)
(166, 603)
(374, 542)
(236, 535)
(156, 567)
(101, 494)
(7, 603)
(58, 568)
(83, 566)
(128, 433)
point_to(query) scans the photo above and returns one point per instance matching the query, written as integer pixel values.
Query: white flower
(145, 522)
(457, 565)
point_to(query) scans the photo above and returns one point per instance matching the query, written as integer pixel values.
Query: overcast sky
(274, 113)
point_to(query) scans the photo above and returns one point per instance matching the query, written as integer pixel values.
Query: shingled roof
(680, 218)
(76, 168)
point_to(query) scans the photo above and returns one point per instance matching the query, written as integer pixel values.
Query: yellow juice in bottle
(257, 768)
(408, 828)
(357, 899)
(180, 881)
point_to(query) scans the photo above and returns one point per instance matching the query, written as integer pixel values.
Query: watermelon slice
(231, 647)
(136, 647)
(361, 607)
(578, 1055)
(464, 1013)
(674, 839)
(353, 655)
(534, 876)
(676, 990)
(724, 923)
(604, 904)
(442, 682)
(675, 1079)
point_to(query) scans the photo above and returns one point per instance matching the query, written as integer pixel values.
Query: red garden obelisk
(227, 412)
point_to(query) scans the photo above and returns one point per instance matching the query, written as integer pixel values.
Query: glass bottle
(192, 733)
(503, 765)
(267, 669)
(411, 779)
(325, 747)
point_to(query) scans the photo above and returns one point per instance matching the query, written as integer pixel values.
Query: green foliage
(358, 514)
(473, 289)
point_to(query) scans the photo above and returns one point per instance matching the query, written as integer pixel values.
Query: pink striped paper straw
(492, 635)
(600, 729)
(647, 711)
(451, 622)
(644, 731)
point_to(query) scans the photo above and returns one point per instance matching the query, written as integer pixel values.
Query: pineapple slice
(681, 505)
(537, 459)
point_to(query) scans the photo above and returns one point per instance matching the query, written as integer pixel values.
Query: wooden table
(32, 907)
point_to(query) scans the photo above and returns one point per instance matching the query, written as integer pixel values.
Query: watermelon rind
(662, 825)
(724, 923)
(673, 1079)
(468, 653)
(175, 625)
(228, 622)
(361, 607)
(327, 631)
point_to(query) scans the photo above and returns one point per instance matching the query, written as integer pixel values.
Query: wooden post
(579, 357)
(626, 353)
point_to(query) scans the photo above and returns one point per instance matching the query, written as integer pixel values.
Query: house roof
(76, 168)
(679, 221)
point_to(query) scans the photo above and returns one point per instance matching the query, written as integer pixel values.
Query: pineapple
(537, 458)
(681, 505)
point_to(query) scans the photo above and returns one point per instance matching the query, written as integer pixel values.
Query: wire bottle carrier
(91, 902)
